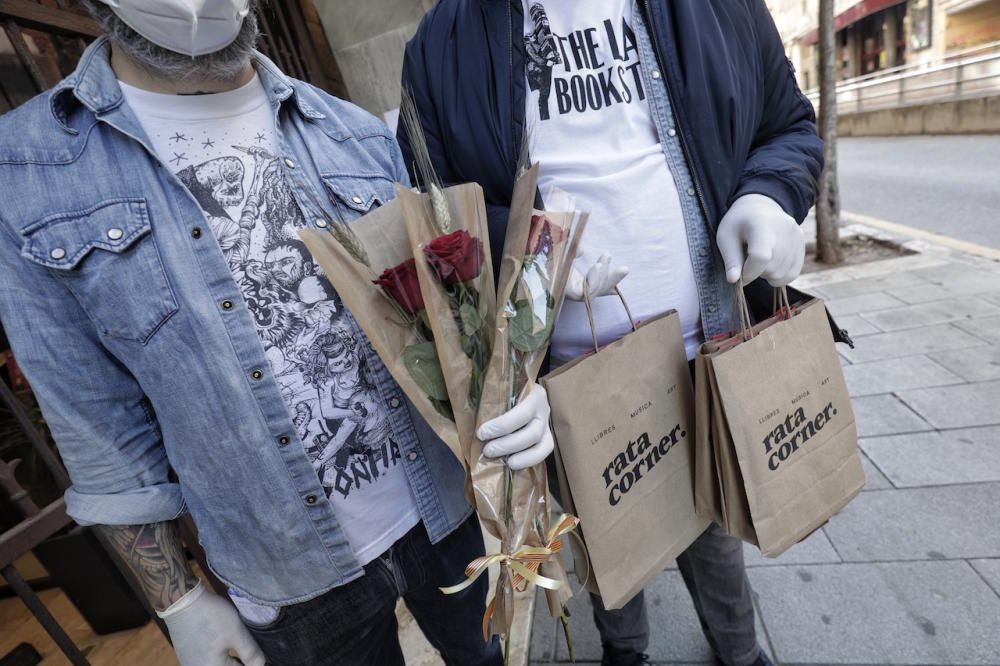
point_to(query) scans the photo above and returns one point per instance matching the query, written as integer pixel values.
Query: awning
(852, 15)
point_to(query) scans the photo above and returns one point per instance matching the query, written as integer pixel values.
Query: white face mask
(191, 27)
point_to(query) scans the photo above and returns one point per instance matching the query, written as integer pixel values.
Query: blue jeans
(713, 572)
(356, 622)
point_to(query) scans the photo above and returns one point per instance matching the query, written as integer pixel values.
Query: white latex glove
(204, 627)
(601, 279)
(522, 433)
(775, 247)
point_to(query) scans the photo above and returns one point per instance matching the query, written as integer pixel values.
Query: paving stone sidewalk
(908, 573)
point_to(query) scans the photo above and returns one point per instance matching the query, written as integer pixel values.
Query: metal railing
(964, 75)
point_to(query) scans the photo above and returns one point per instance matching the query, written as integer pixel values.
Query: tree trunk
(828, 207)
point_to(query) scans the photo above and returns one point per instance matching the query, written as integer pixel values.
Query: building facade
(368, 44)
(41, 41)
(876, 35)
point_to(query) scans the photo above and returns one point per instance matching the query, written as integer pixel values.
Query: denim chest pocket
(357, 195)
(107, 257)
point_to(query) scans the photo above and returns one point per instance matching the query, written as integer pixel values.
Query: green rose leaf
(526, 332)
(443, 407)
(425, 368)
(471, 321)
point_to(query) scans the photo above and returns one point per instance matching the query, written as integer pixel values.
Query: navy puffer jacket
(745, 124)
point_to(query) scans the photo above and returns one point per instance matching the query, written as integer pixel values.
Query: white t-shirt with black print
(592, 131)
(222, 147)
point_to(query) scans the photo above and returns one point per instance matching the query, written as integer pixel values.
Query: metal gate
(42, 40)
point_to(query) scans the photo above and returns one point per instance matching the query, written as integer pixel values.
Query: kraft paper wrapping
(468, 213)
(381, 235)
(530, 520)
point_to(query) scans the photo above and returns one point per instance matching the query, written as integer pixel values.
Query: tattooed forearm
(155, 555)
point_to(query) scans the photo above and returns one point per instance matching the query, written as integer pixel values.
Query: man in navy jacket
(678, 124)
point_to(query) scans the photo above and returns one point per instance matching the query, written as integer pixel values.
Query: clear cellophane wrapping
(516, 506)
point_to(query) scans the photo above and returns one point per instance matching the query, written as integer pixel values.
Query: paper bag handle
(782, 307)
(590, 312)
(780, 304)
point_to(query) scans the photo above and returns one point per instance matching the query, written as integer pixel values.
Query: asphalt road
(946, 184)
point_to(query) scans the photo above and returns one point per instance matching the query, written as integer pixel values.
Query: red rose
(456, 257)
(403, 286)
(543, 235)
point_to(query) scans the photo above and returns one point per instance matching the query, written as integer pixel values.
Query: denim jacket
(160, 399)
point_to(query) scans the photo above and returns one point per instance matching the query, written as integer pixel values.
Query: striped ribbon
(524, 563)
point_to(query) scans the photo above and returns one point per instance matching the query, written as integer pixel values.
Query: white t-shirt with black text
(223, 148)
(592, 132)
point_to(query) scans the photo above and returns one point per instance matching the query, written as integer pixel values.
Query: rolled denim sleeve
(99, 416)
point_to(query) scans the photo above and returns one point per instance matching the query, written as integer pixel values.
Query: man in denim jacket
(189, 355)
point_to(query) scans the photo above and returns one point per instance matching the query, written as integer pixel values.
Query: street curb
(901, 230)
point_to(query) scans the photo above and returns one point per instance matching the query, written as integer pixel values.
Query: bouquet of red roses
(491, 350)
(515, 506)
(450, 244)
(370, 264)
(417, 276)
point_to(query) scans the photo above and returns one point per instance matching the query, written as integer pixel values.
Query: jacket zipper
(647, 15)
(510, 82)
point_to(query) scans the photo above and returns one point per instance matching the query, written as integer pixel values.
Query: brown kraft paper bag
(623, 420)
(777, 450)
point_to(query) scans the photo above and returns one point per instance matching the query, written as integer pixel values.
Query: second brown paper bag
(777, 451)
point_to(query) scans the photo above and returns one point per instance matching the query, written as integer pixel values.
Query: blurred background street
(945, 184)
(909, 573)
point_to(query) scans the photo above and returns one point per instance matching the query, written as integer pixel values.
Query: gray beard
(224, 65)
